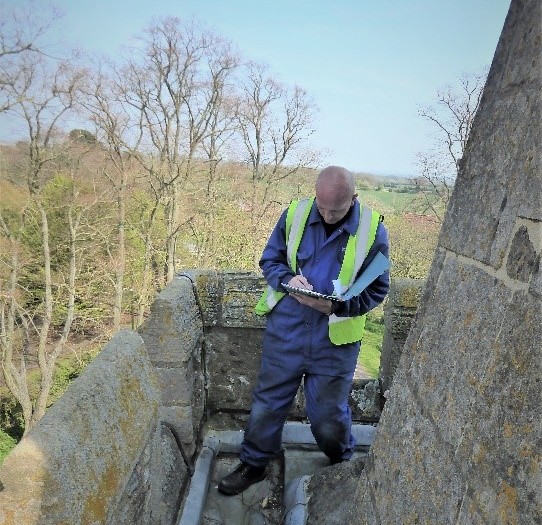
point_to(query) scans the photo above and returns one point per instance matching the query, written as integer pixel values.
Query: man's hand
(299, 281)
(322, 305)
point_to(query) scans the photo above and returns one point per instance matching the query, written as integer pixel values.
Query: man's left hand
(322, 305)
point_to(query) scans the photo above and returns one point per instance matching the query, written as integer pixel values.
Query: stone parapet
(233, 336)
(173, 336)
(227, 298)
(77, 464)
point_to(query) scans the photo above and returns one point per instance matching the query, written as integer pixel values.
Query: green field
(392, 201)
(369, 357)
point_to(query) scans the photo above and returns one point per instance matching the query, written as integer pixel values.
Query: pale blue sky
(369, 64)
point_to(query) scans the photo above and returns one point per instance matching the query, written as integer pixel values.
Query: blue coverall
(296, 343)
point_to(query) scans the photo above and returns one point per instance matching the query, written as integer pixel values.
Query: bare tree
(452, 118)
(216, 147)
(275, 123)
(173, 89)
(112, 124)
(42, 93)
(21, 30)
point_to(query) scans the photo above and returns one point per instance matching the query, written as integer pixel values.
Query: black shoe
(334, 460)
(241, 478)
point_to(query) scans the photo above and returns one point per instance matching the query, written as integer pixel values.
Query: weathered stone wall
(173, 336)
(460, 439)
(88, 460)
(233, 336)
(233, 347)
(117, 447)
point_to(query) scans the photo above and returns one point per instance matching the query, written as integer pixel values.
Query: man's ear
(354, 197)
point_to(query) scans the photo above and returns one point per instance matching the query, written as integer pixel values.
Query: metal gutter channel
(294, 434)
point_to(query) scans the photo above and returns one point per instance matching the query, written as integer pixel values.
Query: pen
(299, 268)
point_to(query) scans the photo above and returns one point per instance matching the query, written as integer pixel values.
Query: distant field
(392, 201)
(369, 357)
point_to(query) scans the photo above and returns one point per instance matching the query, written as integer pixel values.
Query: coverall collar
(350, 226)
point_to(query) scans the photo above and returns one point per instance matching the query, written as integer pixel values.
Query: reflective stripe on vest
(296, 218)
(344, 330)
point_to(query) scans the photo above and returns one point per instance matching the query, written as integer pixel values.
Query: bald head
(335, 193)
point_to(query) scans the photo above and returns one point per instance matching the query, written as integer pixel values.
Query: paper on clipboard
(376, 267)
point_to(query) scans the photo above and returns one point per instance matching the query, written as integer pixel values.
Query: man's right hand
(322, 305)
(299, 281)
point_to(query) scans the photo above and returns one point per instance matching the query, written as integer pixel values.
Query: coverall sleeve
(274, 262)
(375, 293)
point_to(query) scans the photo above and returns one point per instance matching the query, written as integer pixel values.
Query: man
(321, 244)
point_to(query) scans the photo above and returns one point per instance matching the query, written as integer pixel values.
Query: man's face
(333, 209)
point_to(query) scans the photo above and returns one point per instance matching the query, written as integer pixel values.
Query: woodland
(181, 154)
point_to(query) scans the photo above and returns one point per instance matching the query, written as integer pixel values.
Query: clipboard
(376, 267)
(310, 293)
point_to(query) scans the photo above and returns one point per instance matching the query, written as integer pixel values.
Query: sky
(369, 65)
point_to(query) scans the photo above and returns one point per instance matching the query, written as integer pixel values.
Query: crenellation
(399, 312)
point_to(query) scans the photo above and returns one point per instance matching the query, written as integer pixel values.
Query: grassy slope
(391, 201)
(369, 357)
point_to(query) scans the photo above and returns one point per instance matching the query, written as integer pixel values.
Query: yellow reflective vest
(342, 330)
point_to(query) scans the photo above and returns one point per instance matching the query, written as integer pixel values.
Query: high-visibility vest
(342, 330)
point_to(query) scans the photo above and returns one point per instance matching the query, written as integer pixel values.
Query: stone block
(209, 289)
(457, 343)
(408, 451)
(134, 506)
(233, 363)
(323, 507)
(405, 293)
(176, 385)
(501, 438)
(169, 477)
(174, 329)
(228, 298)
(242, 291)
(535, 237)
(73, 467)
(399, 313)
(365, 401)
(523, 259)
(186, 423)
